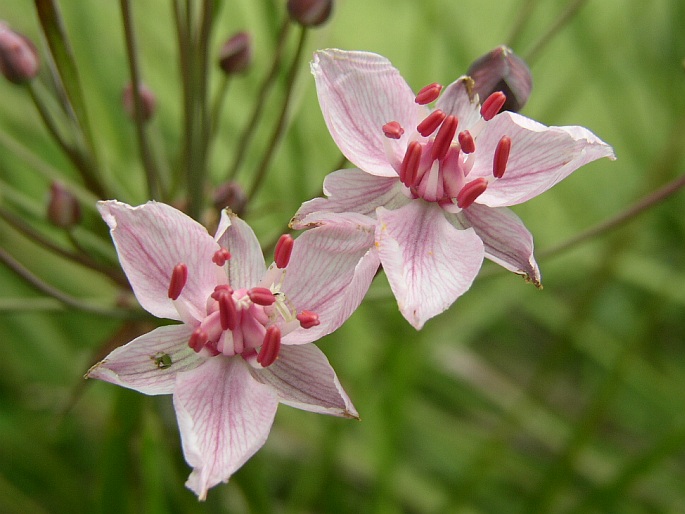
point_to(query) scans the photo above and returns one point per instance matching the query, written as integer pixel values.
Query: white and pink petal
(460, 100)
(246, 266)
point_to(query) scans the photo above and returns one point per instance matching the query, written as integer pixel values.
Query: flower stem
(567, 14)
(280, 124)
(151, 173)
(268, 83)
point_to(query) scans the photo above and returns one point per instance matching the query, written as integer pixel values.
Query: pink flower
(241, 348)
(435, 184)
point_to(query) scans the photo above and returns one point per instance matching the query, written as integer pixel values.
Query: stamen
(219, 290)
(499, 161)
(466, 141)
(431, 123)
(261, 296)
(198, 340)
(492, 105)
(227, 312)
(270, 347)
(410, 164)
(393, 130)
(471, 191)
(179, 277)
(221, 256)
(284, 248)
(444, 138)
(308, 319)
(428, 94)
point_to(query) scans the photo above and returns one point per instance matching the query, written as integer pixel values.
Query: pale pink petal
(224, 416)
(359, 92)
(540, 157)
(352, 190)
(460, 100)
(151, 240)
(429, 263)
(507, 240)
(303, 378)
(330, 270)
(149, 364)
(246, 266)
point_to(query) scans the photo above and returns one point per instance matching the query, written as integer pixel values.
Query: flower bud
(310, 13)
(64, 210)
(147, 98)
(19, 61)
(231, 195)
(235, 55)
(502, 70)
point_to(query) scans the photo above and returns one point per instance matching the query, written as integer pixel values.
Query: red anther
(428, 94)
(228, 315)
(466, 141)
(431, 123)
(179, 277)
(444, 138)
(284, 248)
(308, 319)
(221, 256)
(198, 340)
(492, 105)
(271, 346)
(471, 191)
(393, 130)
(261, 296)
(499, 161)
(222, 289)
(409, 168)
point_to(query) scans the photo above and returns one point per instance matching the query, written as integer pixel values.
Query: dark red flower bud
(147, 98)
(231, 195)
(310, 13)
(502, 70)
(64, 210)
(235, 55)
(19, 61)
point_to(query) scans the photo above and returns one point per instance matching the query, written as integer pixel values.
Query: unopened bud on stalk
(147, 99)
(231, 195)
(64, 210)
(502, 70)
(310, 13)
(19, 61)
(235, 55)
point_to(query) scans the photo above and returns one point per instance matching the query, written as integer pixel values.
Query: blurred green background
(566, 400)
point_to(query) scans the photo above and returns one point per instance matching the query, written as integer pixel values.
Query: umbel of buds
(147, 99)
(235, 55)
(310, 13)
(63, 207)
(18, 56)
(502, 70)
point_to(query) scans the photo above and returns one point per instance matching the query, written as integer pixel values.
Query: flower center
(439, 157)
(246, 322)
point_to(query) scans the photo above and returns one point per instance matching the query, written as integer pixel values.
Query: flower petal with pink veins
(149, 364)
(303, 378)
(540, 157)
(459, 99)
(330, 271)
(359, 92)
(224, 416)
(151, 240)
(353, 190)
(507, 240)
(246, 266)
(429, 263)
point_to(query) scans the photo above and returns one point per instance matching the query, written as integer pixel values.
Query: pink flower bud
(235, 55)
(64, 210)
(147, 98)
(310, 13)
(502, 70)
(19, 61)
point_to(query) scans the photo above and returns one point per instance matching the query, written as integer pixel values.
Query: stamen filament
(179, 277)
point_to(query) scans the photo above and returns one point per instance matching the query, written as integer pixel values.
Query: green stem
(571, 10)
(279, 129)
(524, 13)
(218, 106)
(268, 83)
(151, 172)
